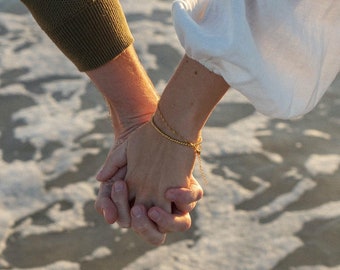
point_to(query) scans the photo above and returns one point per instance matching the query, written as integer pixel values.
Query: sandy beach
(272, 201)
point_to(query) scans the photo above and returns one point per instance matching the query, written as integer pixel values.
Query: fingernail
(154, 215)
(136, 211)
(100, 174)
(118, 186)
(104, 214)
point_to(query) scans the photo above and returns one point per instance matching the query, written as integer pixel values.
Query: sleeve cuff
(90, 33)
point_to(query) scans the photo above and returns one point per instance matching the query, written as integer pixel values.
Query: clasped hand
(147, 184)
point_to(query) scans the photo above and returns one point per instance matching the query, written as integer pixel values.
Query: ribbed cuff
(89, 32)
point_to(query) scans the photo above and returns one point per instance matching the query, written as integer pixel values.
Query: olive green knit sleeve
(89, 32)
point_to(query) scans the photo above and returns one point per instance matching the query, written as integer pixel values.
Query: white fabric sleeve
(282, 55)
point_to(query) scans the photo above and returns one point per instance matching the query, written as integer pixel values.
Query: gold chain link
(196, 145)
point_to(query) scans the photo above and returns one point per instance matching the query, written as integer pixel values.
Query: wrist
(190, 96)
(125, 123)
(128, 91)
(178, 125)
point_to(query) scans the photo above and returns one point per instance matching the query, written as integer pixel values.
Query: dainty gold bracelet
(196, 145)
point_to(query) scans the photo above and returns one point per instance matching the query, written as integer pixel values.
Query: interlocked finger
(104, 205)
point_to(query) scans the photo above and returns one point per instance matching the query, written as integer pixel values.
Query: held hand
(156, 164)
(113, 203)
(184, 201)
(163, 222)
(153, 225)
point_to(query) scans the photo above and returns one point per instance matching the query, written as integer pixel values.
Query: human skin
(132, 100)
(156, 164)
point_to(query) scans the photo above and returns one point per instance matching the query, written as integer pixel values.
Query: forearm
(95, 36)
(190, 97)
(127, 89)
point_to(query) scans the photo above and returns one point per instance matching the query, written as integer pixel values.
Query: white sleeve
(282, 55)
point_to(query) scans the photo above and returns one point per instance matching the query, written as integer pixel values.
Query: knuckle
(124, 220)
(141, 228)
(191, 206)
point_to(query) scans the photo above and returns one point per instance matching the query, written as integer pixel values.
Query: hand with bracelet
(131, 107)
(155, 162)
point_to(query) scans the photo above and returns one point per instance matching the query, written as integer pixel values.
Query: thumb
(115, 160)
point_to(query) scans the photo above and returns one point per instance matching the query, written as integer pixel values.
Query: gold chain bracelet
(196, 145)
